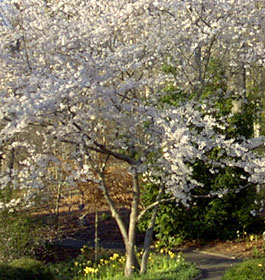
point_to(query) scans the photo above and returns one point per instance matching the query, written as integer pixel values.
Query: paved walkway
(212, 266)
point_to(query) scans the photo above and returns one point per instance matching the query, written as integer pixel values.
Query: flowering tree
(87, 75)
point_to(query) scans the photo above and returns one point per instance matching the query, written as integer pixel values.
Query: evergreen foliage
(210, 216)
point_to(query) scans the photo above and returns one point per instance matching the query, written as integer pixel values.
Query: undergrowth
(247, 270)
(165, 266)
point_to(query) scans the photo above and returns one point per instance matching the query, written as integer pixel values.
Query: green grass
(247, 270)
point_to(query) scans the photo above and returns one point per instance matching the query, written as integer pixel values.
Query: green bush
(25, 269)
(222, 217)
(206, 218)
(248, 270)
(21, 235)
(63, 270)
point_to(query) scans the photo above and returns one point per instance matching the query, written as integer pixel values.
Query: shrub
(63, 270)
(248, 270)
(21, 235)
(25, 269)
(206, 218)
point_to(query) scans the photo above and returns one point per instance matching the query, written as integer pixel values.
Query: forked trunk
(131, 264)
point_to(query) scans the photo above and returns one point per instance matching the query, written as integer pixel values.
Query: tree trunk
(257, 125)
(11, 162)
(149, 233)
(57, 206)
(114, 211)
(198, 66)
(96, 235)
(131, 261)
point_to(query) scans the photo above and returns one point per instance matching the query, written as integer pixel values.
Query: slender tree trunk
(257, 124)
(70, 199)
(149, 233)
(11, 162)
(96, 235)
(240, 86)
(115, 214)
(131, 261)
(57, 206)
(1, 160)
(198, 66)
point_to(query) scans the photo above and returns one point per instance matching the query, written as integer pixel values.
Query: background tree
(208, 215)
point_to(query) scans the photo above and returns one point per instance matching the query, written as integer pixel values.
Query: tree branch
(142, 213)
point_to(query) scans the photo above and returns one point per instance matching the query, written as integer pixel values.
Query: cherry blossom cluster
(87, 75)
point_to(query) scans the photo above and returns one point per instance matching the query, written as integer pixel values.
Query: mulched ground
(237, 248)
(108, 230)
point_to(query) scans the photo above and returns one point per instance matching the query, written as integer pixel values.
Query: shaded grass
(247, 270)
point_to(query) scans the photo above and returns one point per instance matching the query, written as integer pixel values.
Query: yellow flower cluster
(90, 270)
(171, 254)
(114, 257)
(162, 251)
(122, 259)
(139, 254)
(157, 244)
(112, 261)
(253, 237)
(103, 262)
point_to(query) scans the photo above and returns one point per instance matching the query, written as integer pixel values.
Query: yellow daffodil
(114, 257)
(91, 270)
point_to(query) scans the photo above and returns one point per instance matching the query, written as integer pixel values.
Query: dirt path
(213, 266)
